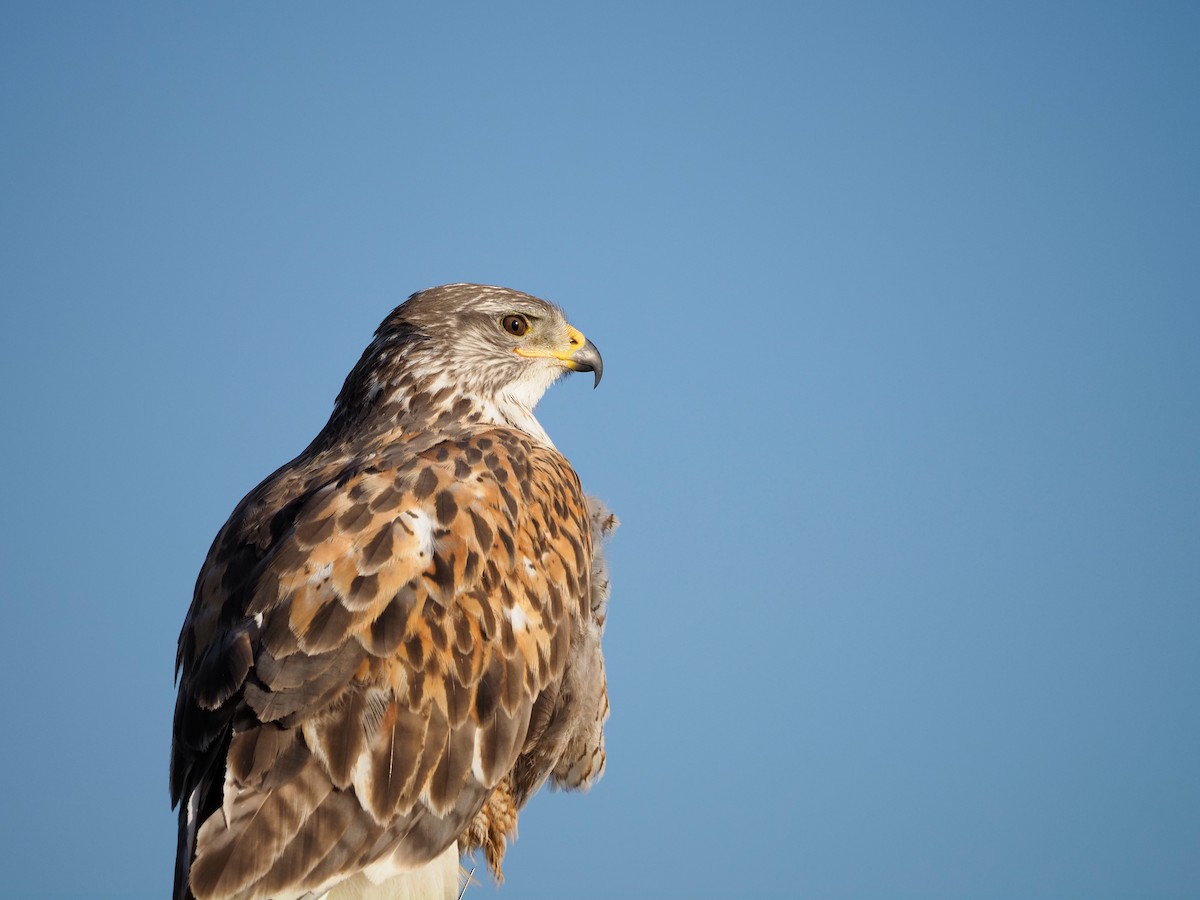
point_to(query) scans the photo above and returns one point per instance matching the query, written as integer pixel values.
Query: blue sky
(900, 312)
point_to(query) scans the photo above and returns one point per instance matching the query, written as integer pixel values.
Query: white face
(497, 344)
(496, 348)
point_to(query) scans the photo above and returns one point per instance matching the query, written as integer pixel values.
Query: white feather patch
(477, 757)
(385, 880)
(422, 527)
(520, 621)
(228, 797)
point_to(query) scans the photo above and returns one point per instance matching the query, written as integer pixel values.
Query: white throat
(510, 411)
(515, 403)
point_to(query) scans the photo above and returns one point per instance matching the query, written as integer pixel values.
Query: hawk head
(496, 348)
(494, 338)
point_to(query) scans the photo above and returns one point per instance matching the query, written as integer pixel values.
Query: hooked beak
(586, 359)
(580, 354)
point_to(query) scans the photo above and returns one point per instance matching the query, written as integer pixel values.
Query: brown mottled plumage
(395, 639)
(496, 823)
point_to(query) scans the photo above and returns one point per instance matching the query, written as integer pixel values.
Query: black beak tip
(588, 360)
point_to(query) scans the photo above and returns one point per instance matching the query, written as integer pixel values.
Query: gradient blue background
(900, 307)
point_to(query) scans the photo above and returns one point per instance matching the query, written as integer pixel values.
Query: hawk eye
(516, 325)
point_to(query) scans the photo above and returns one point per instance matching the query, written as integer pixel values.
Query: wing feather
(358, 681)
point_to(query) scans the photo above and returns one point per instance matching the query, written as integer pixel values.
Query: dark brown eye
(516, 325)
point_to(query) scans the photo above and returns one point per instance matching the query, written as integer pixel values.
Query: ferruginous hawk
(395, 639)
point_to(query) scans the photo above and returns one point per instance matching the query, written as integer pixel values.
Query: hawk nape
(395, 639)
